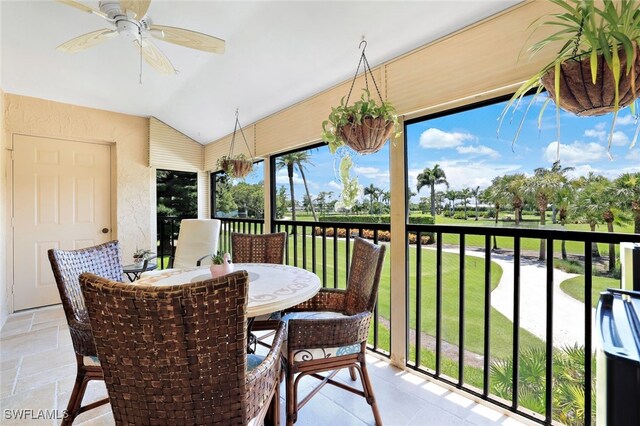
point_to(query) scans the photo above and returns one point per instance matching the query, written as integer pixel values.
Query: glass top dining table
(272, 287)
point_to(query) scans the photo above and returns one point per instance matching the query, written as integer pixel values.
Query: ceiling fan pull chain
(140, 46)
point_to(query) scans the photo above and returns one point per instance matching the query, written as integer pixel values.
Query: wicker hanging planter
(237, 166)
(364, 126)
(580, 96)
(369, 136)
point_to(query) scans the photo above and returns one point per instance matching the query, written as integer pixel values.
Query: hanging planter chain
(367, 68)
(233, 138)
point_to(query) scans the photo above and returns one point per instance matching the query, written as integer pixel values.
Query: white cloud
(576, 153)
(584, 169)
(464, 174)
(619, 138)
(625, 120)
(438, 139)
(380, 177)
(478, 150)
(282, 178)
(633, 154)
(593, 133)
(335, 185)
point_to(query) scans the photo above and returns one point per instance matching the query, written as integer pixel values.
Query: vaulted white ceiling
(277, 53)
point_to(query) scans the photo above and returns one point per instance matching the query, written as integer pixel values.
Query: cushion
(91, 361)
(319, 353)
(253, 361)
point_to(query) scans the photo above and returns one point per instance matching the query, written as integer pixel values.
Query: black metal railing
(323, 248)
(474, 276)
(231, 225)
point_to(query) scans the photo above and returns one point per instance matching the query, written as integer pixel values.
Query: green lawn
(574, 287)
(501, 327)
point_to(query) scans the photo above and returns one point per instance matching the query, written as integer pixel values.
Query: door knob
(105, 230)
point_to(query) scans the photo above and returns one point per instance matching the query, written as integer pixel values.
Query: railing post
(268, 196)
(398, 253)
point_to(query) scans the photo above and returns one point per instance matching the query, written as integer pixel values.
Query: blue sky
(467, 148)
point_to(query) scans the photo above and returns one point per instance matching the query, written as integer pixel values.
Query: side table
(134, 271)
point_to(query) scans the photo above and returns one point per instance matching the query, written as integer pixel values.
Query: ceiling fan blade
(83, 8)
(188, 38)
(155, 58)
(86, 41)
(138, 7)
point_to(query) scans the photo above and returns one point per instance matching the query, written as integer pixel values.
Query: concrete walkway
(568, 313)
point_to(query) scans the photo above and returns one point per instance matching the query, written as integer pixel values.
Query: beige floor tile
(28, 403)
(9, 364)
(64, 337)
(26, 383)
(20, 316)
(47, 360)
(28, 343)
(50, 323)
(47, 314)
(15, 327)
(104, 420)
(7, 382)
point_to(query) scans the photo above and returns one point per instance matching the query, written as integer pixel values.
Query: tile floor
(37, 371)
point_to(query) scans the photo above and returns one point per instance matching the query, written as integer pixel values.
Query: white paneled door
(61, 199)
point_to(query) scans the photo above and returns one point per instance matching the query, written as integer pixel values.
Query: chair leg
(352, 373)
(291, 397)
(368, 389)
(273, 414)
(75, 400)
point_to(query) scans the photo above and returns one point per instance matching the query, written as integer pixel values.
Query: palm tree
(495, 194)
(627, 191)
(289, 161)
(515, 186)
(451, 195)
(557, 168)
(543, 185)
(432, 177)
(588, 209)
(440, 197)
(563, 199)
(372, 191)
(465, 194)
(475, 193)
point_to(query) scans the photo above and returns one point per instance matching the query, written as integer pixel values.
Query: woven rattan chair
(67, 265)
(177, 355)
(329, 331)
(258, 248)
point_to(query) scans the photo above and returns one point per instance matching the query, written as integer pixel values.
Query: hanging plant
(364, 126)
(597, 70)
(237, 166)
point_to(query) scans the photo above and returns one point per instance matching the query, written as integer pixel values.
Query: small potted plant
(140, 255)
(364, 126)
(220, 265)
(597, 69)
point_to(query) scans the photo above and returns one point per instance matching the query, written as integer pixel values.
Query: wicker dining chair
(177, 355)
(258, 248)
(67, 265)
(329, 331)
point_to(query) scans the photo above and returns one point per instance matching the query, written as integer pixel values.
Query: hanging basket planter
(369, 136)
(237, 166)
(241, 168)
(580, 96)
(364, 126)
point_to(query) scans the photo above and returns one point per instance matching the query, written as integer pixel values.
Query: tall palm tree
(495, 194)
(372, 191)
(290, 161)
(451, 195)
(563, 200)
(627, 190)
(588, 204)
(475, 193)
(543, 185)
(465, 194)
(515, 186)
(431, 178)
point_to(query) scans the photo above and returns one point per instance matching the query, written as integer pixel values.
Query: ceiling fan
(129, 19)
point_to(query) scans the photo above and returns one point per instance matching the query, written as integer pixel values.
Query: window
(238, 198)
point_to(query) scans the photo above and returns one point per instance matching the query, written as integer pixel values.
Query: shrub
(458, 215)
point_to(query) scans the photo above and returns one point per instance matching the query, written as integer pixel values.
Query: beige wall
(133, 183)
(4, 306)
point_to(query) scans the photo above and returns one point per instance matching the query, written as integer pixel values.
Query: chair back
(258, 248)
(104, 260)
(197, 238)
(364, 276)
(172, 354)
